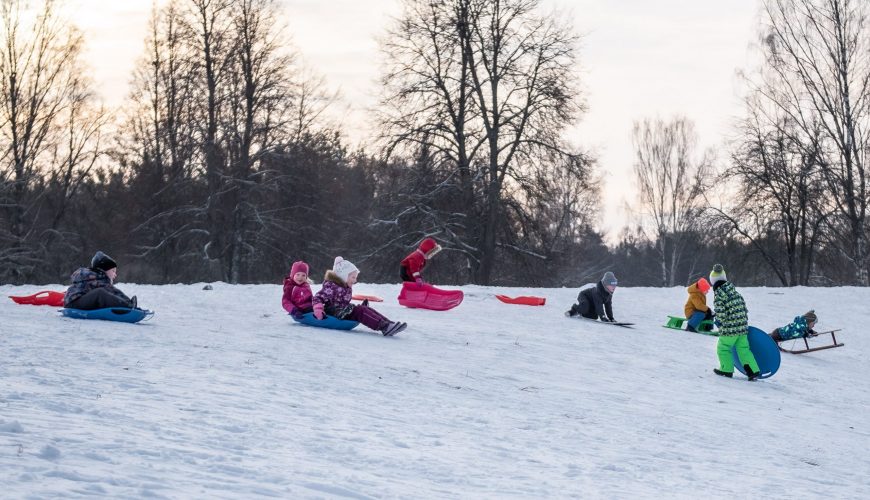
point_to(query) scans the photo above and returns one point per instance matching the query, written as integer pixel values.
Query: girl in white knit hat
(335, 295)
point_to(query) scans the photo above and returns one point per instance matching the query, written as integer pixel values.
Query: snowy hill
(222, 395)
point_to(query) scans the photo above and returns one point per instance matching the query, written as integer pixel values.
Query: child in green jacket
(731, 316)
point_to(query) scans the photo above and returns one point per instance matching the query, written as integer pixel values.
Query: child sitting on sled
(733, 321)
(696, 308)
(802, 326)
(596, 302)
(335, 295)
(413, 264)
(93, 287)
(297, 290)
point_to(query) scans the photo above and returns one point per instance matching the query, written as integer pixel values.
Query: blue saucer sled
(764, 349)
(330, 322)
(122, 314)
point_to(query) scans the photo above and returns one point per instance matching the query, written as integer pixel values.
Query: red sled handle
(43, 298)
(525, 300)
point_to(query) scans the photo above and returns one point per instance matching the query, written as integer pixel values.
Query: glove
(318, 311)
(717, 323)
(419, 280)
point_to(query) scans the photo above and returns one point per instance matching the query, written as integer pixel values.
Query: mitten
(318, 311)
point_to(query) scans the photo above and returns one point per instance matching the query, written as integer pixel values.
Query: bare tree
(671, 181)
(817, 75)
(481, 90)
(780, 208)
(42, 94)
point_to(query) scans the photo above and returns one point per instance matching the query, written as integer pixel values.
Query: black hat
(102, 262)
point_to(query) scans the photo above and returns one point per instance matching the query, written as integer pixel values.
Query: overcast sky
(638, 58)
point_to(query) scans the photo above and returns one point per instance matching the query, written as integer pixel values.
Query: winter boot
(133, 303)
(393, 327)
(751, 375)
(724, 374)
(690, 328)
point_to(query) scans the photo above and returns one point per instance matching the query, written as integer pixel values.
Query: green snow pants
(726, 360)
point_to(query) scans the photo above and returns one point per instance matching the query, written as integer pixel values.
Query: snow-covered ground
(222, 395)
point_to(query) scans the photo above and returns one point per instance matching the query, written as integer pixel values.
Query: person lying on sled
(802, 326)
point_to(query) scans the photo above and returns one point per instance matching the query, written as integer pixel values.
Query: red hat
(299, 267)
(703, 285)
(428, 244)
(429, 247)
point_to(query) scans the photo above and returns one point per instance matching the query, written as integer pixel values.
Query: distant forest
(222, 166)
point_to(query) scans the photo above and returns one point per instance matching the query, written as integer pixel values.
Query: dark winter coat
(697, 301)
(731, 312)
(86, 279)
(334, 296)
(595, 302)
(297, 298)
(796, 329)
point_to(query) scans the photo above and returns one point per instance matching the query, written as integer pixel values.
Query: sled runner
(523, 300)
(764, 349)
(426, 296)
(676, 323)
(807, 348)
(122, 314)
(330, 322)
(43, 298)
(370, 298)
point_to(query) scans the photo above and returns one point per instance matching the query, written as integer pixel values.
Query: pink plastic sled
(370, 298)
(426, 296)
(44, 298)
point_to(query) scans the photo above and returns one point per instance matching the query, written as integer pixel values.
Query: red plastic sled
(426, 296)
(525, 300)
(370, 298)
(43, 298)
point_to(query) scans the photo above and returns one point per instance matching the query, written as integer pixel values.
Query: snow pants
(697, 317)
(726, 360)
(100, 298)
(368, 316)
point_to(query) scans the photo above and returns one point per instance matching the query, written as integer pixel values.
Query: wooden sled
(807, 348)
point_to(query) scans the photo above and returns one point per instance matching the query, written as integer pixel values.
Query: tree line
(223, 166)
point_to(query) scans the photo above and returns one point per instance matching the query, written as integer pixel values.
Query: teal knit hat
(717, 274)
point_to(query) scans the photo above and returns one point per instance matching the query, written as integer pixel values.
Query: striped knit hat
(717, 274)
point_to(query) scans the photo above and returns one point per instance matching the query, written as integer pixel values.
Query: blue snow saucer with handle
(765, 351)
(122, 314)
(330, 322)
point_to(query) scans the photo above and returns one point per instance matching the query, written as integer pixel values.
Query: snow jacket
(731, 312)
(595, 302)
(414, 263)
(297, 298)
(697, 301)
(85, 279)
(796, 329)
(334, 297)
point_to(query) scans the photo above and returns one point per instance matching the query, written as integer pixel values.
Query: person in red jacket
(297, 290)
(413, 264)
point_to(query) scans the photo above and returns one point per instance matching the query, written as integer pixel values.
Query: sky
(638, 59)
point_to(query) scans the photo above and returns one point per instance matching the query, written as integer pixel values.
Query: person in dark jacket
(595, 302)
(93, 287)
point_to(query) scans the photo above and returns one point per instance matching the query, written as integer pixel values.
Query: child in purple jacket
(297, 290)
(335, 295)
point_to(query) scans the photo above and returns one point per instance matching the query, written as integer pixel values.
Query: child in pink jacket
(297, 290)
